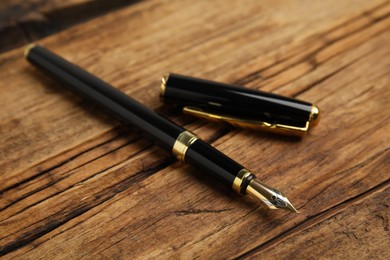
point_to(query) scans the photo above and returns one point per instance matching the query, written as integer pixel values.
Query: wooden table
(75, 184)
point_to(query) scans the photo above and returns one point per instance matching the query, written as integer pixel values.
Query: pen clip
(247, 123)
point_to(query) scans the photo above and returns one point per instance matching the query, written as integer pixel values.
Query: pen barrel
(220, 166)
(115, 102)
(236, 101)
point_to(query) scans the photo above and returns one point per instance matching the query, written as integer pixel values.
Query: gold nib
(271, 197)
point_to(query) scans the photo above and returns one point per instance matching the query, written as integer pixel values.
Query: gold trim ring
(183, 141)
(163, 85)
(241, 176)
(28, 48)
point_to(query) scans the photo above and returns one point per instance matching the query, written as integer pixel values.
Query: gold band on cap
(183, 141)
(241, 176)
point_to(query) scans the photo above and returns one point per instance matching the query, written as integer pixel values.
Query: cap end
(314, 115)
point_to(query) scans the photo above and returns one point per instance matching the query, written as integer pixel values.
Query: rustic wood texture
(76, 184)
(24, 21)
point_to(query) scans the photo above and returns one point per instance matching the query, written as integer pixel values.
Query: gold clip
(248, 123)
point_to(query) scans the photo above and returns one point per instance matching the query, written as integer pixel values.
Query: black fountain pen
(171, 137)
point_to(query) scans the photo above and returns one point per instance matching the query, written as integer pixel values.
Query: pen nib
(269, 196)
(289, 206)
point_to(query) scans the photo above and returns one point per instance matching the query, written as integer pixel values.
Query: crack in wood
(39, 19)
(313, 220)
(223, 227)
(199, 211)
(54, 221)
(330, 75)
(63, 176)
(341, 174)
(310, 57)
(117, 188)
(76, 184)
(214, 137)
(81, 209)
(295, 94)
(70, 159)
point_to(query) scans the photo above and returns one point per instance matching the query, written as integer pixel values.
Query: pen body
(183, 144)
(116, 103)
(209, 159)
(131, 112)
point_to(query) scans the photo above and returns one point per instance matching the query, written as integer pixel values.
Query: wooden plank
(142, 85)
(23, 21)
(359, 231)
(74, 186)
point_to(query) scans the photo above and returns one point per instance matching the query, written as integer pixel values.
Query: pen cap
(239, 106)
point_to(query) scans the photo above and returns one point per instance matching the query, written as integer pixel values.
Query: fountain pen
(184, 145)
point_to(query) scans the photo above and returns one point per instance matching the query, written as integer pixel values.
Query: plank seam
(254, 75)
(324, 215)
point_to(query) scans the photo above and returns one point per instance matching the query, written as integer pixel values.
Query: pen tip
(271, 197)
(290, 206)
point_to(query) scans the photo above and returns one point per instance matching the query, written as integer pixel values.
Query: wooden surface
(75, 184)
(23, 21)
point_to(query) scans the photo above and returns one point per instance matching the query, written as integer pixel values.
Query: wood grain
(24, 21)
(76, 184)
(358, 231)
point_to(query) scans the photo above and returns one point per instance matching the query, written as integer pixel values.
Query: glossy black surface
(129, 111)
(209, 159)
(236, 101)
(118, 104)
